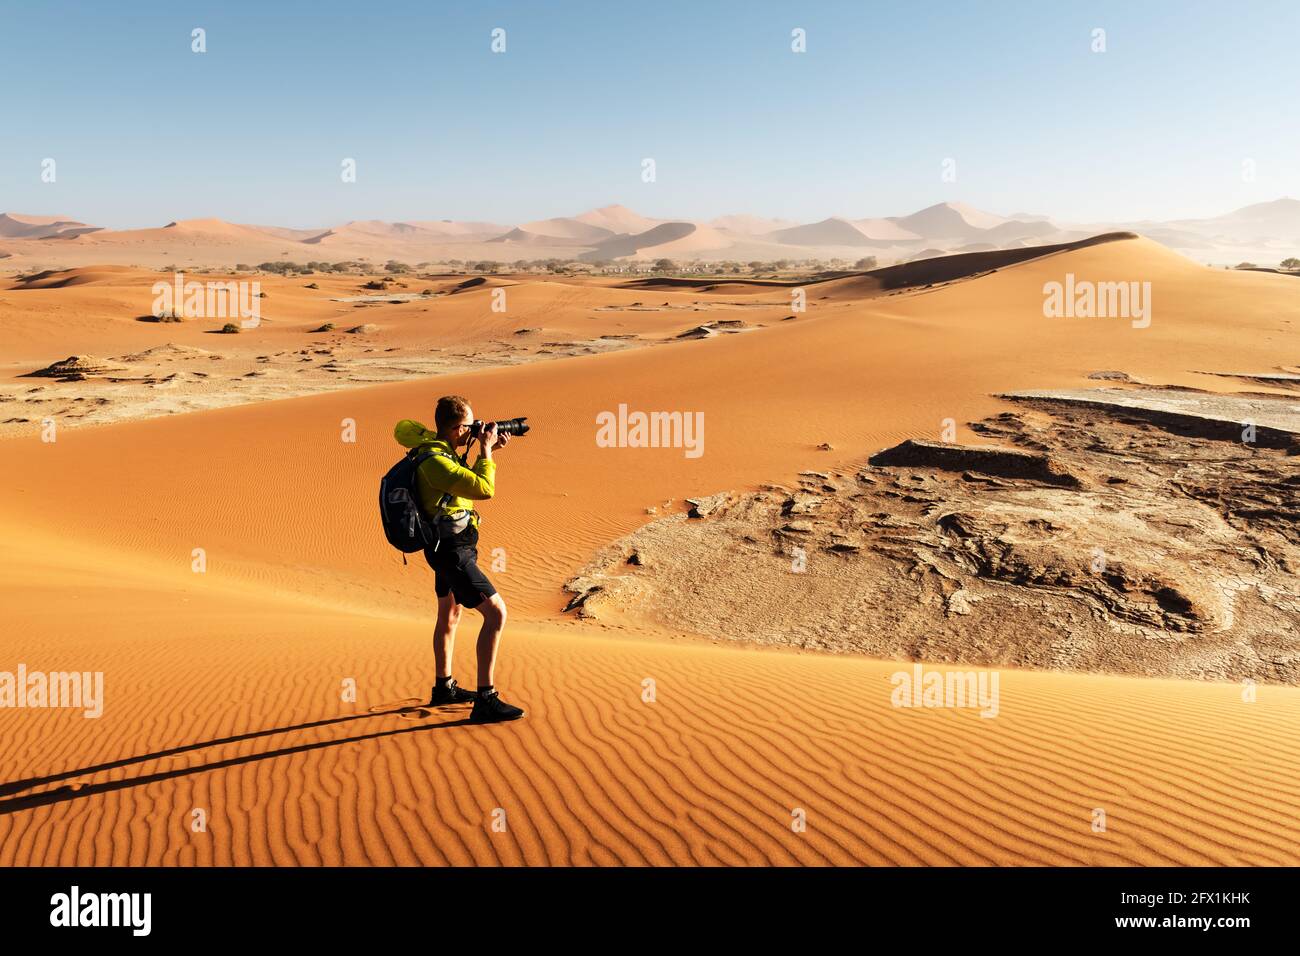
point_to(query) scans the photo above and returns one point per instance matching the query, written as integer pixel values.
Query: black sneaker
(492, 708)
(451, 694)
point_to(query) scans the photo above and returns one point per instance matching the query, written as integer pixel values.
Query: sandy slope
(231, 704)
(301, 593)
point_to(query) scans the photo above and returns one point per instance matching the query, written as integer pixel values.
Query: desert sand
(222, 689)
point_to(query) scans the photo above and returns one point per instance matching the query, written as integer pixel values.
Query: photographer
(447, 490)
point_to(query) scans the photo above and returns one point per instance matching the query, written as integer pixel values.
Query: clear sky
(144, 131)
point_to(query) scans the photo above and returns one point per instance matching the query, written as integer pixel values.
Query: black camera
(510, 426)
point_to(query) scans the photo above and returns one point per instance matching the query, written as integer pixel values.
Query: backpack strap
(424, 456)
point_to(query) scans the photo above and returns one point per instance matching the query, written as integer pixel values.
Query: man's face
(462, 430)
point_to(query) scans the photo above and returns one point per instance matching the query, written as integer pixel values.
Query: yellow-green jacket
(440, 475)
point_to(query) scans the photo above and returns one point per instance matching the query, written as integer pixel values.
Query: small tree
(665, 265)
(1292, 263)
(866, 262)
(1245, 265)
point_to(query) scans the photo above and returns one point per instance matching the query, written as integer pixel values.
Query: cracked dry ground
(1085, 541)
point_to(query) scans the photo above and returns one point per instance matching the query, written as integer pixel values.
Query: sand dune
(62, 279)
(564, 228)
(226, 684)
(828, 232)
(866, 401)
(14, 226)
(230, 704)
(1264, 232)
(750, 225)
(948, 221)
(937, 268)
(662, 239)
(524, 237)
(617, 219)
(886, 229)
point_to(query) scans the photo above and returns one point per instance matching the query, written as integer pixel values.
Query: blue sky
(144, 131)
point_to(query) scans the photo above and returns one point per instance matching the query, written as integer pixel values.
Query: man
(448, 489)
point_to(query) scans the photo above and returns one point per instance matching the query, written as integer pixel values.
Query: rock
(1111, 376)
(165, 352)
(78, 368)
(801, 503)
(703, 507)
(959, 602)
(699, 332)
(825, 446)
(363, 329)
(1186, 411)
(581, 595)
(710, 329)
(1002, 462)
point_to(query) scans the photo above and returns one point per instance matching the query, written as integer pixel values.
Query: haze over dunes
(1264, 232)
(222, 688)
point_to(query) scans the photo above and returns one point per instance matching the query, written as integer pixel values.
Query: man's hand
(491, 438)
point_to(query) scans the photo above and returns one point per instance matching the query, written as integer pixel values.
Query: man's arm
(476, 484)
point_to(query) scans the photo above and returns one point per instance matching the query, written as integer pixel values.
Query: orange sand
(302, 592)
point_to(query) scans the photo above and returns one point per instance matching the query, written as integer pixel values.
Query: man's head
(452, 418)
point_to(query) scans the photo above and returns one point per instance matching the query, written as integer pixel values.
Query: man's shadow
(75, 792)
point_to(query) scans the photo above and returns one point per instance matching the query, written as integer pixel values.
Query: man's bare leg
(444, 634)
(493, 610)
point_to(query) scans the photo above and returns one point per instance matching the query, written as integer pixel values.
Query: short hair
(451, 409)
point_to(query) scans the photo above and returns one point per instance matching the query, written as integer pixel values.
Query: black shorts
(456, 570)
